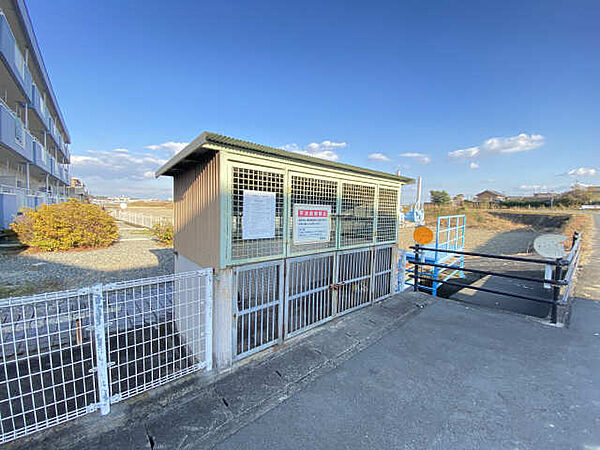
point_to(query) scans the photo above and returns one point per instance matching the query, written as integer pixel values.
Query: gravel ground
(135, 255)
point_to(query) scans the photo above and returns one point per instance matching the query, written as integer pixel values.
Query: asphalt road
(453, 377)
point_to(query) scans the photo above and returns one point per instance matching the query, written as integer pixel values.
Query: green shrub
(163, 232)
(67, 225)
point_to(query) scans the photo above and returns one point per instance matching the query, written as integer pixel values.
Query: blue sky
(469, 95)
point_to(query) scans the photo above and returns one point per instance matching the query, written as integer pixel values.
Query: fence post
(101, 359)
(555, 291)
(208, 318)
(417, 258)
(401, 271)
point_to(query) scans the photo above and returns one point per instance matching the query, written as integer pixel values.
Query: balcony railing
(16, 62)
(14, 135)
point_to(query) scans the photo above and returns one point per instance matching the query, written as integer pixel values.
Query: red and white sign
(312, 224)
(313, 213)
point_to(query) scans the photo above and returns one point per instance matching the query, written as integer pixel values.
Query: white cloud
(120, 171)
(534, 187)
(582, 172)
(473, 165)
(172, 147)
(500, 145)
(378, 157)
(419, 157)
(324, 150)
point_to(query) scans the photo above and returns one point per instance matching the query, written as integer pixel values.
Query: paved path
(588, 280)
(453, 377)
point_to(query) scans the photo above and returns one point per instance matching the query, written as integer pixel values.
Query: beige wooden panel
(196, 213)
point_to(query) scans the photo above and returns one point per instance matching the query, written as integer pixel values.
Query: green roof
(208, 141)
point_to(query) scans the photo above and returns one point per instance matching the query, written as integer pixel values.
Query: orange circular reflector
(423, 235)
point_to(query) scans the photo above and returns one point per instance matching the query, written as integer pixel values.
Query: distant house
(543, 195)
(490, 196)
(458, 200)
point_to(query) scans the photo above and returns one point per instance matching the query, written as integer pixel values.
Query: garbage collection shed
(295, 240)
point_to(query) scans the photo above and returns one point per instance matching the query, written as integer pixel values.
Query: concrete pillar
(223, 291)
(394, 281)
(27, 174)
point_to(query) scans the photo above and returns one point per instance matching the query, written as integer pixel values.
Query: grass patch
(583, 223)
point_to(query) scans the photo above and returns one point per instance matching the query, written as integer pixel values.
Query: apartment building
(34, 141)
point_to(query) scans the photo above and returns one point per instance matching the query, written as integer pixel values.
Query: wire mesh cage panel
(387, 214)
(156, 331)
(312, 191)
(382, 272)
(246, 181)
(258, 302)
(357, 214)
(47, 360)
(309, 297)
(354, 279)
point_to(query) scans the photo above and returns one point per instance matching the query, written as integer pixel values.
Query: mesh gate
(309, 297)
(272, 303)
(257, 307)
(382, 273)
(354, 279)
(47, 355)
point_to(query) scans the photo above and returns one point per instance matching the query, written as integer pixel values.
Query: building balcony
(14, 60)
(25, 90)
(16, 137)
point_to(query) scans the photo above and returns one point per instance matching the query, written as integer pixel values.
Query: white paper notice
(312, 224)
(258, 215)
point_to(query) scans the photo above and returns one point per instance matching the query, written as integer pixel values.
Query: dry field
(502, 231)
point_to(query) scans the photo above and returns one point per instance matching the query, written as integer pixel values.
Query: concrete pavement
(452, 377)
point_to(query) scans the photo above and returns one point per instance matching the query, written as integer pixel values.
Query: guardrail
(139, 219)
(563, 274)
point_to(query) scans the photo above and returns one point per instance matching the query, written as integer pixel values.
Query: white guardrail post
(101, 359)
(208, 319)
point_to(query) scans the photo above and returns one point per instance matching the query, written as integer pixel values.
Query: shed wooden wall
(196, 201)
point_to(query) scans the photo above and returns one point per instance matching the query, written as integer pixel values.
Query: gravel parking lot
(135, 255)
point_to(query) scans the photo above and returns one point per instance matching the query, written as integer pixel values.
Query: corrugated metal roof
(212, 141)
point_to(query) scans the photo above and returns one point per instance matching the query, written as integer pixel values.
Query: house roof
(499, 194)
(208, 141)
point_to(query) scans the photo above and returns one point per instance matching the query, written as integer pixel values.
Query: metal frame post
(401, 271)
(208, 318)
(417, 260)
(556, 291)
(101, 358)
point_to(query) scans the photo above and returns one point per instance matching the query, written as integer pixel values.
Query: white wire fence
(140, 219)
(66, 354)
